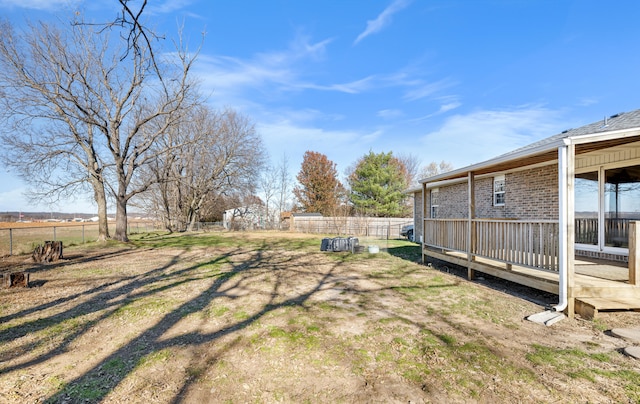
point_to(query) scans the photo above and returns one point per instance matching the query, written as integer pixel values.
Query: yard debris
(337, 244)
(15, 279)
(51, 251)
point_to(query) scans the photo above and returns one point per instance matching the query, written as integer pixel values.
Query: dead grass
(267, 317)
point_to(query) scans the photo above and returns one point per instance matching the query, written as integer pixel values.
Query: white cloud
(353, 87)
(383, 19)
(481, 135)
(276, 71)
(448, 103)
(224, 72)
(390, 113)
(448, 107)
(342, 146)
(422, 90)
(39, 4)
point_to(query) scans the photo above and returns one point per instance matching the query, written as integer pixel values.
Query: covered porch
(528, 253)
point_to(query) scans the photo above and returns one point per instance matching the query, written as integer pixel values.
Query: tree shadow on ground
(106, 300)
(406, 252)
(239, 270)
(412, 253)
(527, 293)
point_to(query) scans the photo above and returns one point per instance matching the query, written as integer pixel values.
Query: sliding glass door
(621, 204)
(606, 201)
(586, 208)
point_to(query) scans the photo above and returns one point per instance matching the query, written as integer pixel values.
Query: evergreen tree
(377, 185)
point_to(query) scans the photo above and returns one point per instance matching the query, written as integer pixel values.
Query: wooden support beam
(571, 232)
(471, 236)
(634, 254)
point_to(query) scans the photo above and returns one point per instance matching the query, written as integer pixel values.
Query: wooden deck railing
(616, 233)
(450, 234)
(532, 244)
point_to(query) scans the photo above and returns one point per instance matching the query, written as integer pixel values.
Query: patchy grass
(264, 317)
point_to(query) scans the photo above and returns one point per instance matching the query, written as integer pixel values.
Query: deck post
(571, 229)
(634, 254)
(471, 236)
(424, 217)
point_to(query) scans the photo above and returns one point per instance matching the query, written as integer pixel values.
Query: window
(586, 208)
(434, 203)
(498, 190)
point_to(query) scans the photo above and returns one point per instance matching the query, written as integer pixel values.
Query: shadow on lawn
(408, 251)
(411, 252)
(245, 267)
(107, 299)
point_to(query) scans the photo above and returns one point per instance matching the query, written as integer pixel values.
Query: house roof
(608, 132)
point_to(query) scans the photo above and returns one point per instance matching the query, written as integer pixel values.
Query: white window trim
(433, 211)
(496, 179)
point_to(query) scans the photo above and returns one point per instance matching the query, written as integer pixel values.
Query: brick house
(557, 215)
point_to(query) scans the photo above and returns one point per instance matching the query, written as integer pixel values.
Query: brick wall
(529, 195)
(453, 201)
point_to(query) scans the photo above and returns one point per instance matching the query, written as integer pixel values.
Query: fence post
(10, 241)
(82, 234)
(54, 233)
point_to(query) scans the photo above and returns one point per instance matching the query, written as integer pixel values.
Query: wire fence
(23, 239)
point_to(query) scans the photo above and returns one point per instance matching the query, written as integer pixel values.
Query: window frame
(433, 208)
(499, 190)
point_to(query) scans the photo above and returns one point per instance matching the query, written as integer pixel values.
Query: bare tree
(47, 79)
(434, 168)
(209, 154)
(268, 186)
(412, 165)
(110, 104)
(284, 185)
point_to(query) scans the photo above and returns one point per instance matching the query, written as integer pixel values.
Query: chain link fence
(23, 239)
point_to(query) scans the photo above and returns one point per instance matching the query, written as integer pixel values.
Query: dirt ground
(267, 317)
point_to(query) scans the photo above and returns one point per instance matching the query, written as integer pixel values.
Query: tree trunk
(192, 220)
(121, 219)
(194, 212)
(101, 201)
(50, 251)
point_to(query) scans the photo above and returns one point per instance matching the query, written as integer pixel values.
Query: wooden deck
(599, 285)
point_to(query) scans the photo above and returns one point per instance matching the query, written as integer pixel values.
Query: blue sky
(454, 80)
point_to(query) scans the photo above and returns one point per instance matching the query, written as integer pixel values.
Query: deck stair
(588, 307)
